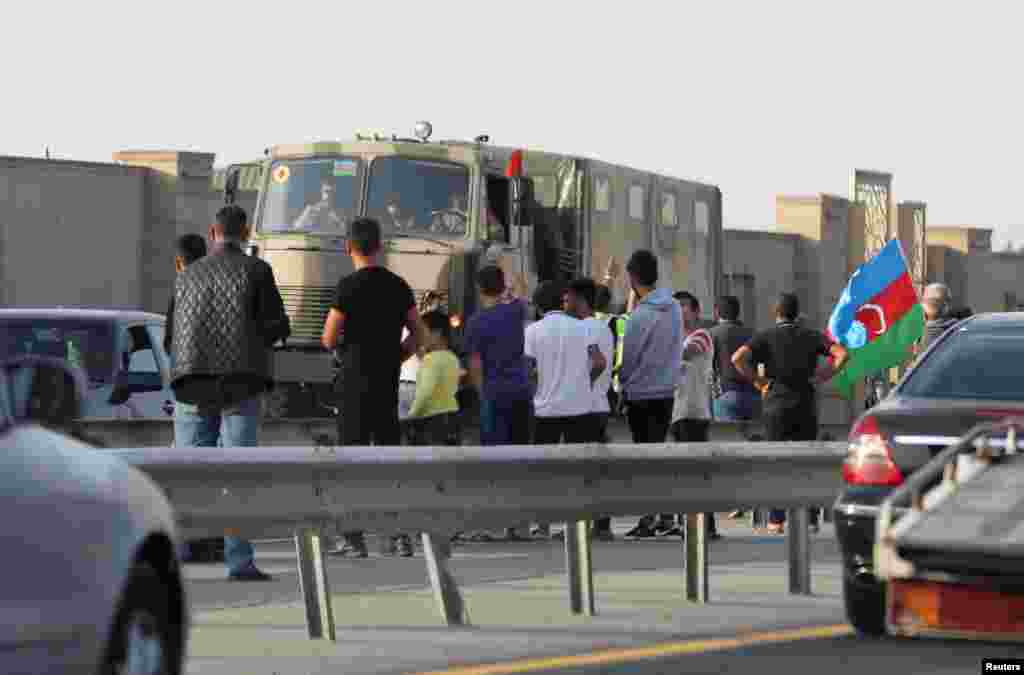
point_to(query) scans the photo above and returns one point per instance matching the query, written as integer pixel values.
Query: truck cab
(443, 208)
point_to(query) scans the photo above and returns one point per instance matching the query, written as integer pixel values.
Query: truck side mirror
(520, 198)
(231, 184)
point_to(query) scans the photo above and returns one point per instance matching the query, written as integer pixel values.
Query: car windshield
(84, 344)
(316, 196)
(972, 365)
(415, 196)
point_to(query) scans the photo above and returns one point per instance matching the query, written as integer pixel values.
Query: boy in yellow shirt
(433, 417)
(433, 414)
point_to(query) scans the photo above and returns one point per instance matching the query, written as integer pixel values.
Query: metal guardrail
(304, 491)
(157, 432)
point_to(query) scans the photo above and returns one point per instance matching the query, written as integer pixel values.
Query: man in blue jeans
(228, 314)
(737, 400)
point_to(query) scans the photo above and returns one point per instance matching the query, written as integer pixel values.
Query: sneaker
(249, 574)
(674, 531)
(354, 547)
(664, 526)
(641, 531)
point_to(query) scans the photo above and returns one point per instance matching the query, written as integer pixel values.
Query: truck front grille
(307, 308)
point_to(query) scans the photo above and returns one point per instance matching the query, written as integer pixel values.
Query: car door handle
(168, 407)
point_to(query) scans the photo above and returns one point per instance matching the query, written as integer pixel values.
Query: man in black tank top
(789, 353)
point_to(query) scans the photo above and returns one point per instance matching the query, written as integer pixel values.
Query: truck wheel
(143, 640)
(865, 607)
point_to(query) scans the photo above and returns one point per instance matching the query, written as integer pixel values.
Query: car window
(988, 366)
(139, 356)
(83, 343)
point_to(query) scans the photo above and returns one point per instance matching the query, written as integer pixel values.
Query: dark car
(974, 373)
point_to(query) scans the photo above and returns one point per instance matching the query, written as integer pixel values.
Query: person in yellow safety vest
(617, 323)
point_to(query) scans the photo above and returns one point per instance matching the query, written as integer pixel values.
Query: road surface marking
(618, 656)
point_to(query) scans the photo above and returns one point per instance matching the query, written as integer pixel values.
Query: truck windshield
(311, 196)
(84, 344)
(416, 196)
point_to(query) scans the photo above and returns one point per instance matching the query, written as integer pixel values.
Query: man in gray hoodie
(653, 341)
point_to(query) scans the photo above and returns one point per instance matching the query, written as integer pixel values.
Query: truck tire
(865, 607)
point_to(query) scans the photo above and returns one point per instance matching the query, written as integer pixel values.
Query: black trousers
(369, 415)
(553, 430)
(649, 420)
(694, 431)
(597, 432)
(790, 419)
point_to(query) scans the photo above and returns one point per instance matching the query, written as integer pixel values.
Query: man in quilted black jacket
(228, 314)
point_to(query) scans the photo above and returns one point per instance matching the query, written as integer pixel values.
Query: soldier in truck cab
(321, 216)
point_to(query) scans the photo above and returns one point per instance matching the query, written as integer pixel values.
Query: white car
(91, 581)
(120, 352)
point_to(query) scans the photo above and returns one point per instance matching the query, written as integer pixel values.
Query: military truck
(446, 208)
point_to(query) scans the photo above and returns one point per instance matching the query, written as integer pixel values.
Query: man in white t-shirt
(565, 363)
(579, 301)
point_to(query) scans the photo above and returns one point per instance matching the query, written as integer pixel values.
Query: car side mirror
(43, 391)
(126, 384)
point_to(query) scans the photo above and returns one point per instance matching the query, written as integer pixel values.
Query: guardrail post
(313, 582)
(437, 549)
(799, 544)
(578, 567)
(696, 558)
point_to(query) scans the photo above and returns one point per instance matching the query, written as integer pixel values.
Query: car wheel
(865, 607)
(143, 641)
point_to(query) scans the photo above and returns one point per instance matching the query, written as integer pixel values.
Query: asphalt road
(474, 563)
(834, 656)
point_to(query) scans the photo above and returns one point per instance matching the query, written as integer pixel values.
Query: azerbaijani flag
(878, 317)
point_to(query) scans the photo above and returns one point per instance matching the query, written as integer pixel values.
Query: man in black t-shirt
(370, 310)
(789, 353)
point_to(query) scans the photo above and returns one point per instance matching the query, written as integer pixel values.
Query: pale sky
(756, 97)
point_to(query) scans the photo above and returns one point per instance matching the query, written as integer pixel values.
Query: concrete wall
(769, 258)
(99, 235)
(70, 233)
(995, 281)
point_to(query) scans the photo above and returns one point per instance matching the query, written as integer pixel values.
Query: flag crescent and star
(878, 317)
